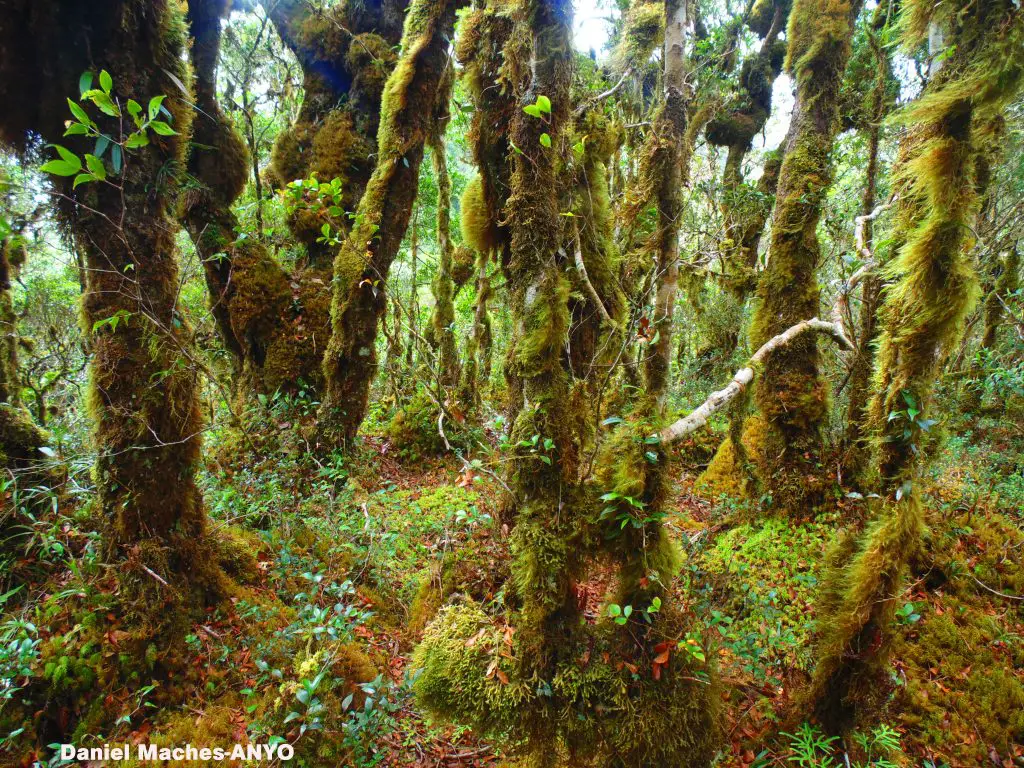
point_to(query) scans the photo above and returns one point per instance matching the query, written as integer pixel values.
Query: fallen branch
(699, 416)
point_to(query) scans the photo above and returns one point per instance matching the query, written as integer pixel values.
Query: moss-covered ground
(337, 566)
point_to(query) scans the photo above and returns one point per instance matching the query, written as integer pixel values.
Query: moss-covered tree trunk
(538, 297)
(442, 318)
(20, 437)
(669, 130)
(249, 292)
(476, 371)
(143, 390)
(744, 212)
(791, 395)
(362, 264)
(856, 459)
(934, 288)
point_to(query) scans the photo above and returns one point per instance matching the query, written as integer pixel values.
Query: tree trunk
(362, 264)
(143, 394)
(791, 395)
(921, 322)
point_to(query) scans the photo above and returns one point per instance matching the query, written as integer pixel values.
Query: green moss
(642, 34)
(478, 227)
(724, 477)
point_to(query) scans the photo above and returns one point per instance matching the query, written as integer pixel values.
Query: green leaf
(545, 140)
(67, 155)
(532, 110)
(154, 106)
(104, 103)
(134, 108)
(544, 104)
(139, 139)
(60, 168)
(106, 82)
(115, 158)
(84, 82)
(162, 128)
(83, 178)
(79, 113)
(76, 129)
(96, 167)
(614, 610)
(101, 146)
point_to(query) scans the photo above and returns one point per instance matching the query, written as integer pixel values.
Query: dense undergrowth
(338, 565)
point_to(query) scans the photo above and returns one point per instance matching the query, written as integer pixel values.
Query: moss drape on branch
(933, 288)
(362, 263)
(791, 395)
(249, 292)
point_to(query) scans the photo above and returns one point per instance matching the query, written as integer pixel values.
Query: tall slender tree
(791, 394)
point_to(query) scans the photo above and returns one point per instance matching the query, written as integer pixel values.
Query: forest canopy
(525, 383)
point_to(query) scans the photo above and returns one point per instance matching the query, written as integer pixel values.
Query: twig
(993, 591)
(156, 576)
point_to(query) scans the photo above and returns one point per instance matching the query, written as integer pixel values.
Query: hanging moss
(643, 31)
(933, 288)
(479, 230)
(543, 675)
(362, 263)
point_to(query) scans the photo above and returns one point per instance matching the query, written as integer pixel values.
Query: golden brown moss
(933, 288)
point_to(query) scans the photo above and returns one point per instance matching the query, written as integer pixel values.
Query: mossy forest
(512, 383)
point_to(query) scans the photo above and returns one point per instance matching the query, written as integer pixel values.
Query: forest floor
(352, 556)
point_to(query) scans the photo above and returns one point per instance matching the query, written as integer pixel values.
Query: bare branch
(698, 417)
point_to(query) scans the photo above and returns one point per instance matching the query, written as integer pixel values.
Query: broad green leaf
(139, 139)
(115, 158)
(154, 106)
(532, 110)
(162, 128)
(84, 82)
(96, 167)
(83, 178)
(79, 113)
(106, 82)
(545, 140)
(67, 155)
(544, 104)
(60, 168)
(76, 129)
